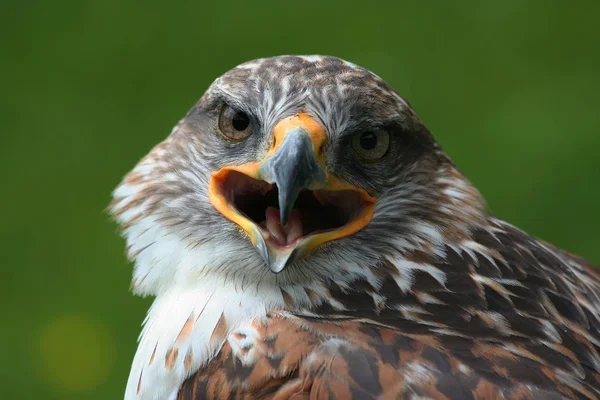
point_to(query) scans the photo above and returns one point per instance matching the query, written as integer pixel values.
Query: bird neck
(186, 326)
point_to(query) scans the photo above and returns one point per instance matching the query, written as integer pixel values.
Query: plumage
(418, 292)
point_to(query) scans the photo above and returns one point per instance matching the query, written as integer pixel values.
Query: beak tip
(275, 263)
(276, 268)
(278, 264)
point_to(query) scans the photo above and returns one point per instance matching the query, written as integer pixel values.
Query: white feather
(204, 302)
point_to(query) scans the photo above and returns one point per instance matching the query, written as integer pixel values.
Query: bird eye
(371, 145)
(234, 125)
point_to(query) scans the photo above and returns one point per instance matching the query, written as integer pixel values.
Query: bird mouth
(288, 204)
(314, 212)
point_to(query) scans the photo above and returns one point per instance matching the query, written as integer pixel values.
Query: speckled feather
(435, 298)
(512, 319)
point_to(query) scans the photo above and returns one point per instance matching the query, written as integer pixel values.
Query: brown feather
(451, 350)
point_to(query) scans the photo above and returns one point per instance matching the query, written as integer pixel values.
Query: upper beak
(293, 165)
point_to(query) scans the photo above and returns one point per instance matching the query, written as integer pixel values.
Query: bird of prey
(305, 236)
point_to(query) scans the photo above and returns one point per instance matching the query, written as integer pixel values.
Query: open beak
(288, 204)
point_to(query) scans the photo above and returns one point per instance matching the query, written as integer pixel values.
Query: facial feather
(202, 266)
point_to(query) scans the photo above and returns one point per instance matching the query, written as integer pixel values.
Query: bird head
(290, 169)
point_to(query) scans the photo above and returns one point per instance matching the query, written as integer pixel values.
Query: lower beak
(282, 203)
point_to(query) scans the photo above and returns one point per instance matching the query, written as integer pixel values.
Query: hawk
(305, 236)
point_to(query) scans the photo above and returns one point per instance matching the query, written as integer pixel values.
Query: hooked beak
(288, 204)
(292, 168)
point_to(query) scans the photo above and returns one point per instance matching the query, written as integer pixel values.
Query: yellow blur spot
(75, 353)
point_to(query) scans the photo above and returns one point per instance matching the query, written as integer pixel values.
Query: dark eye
(234, 125)
(371, 145)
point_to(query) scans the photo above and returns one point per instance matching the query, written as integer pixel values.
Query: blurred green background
(510, 89)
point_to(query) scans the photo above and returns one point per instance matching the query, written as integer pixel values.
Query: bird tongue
(283, 235)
